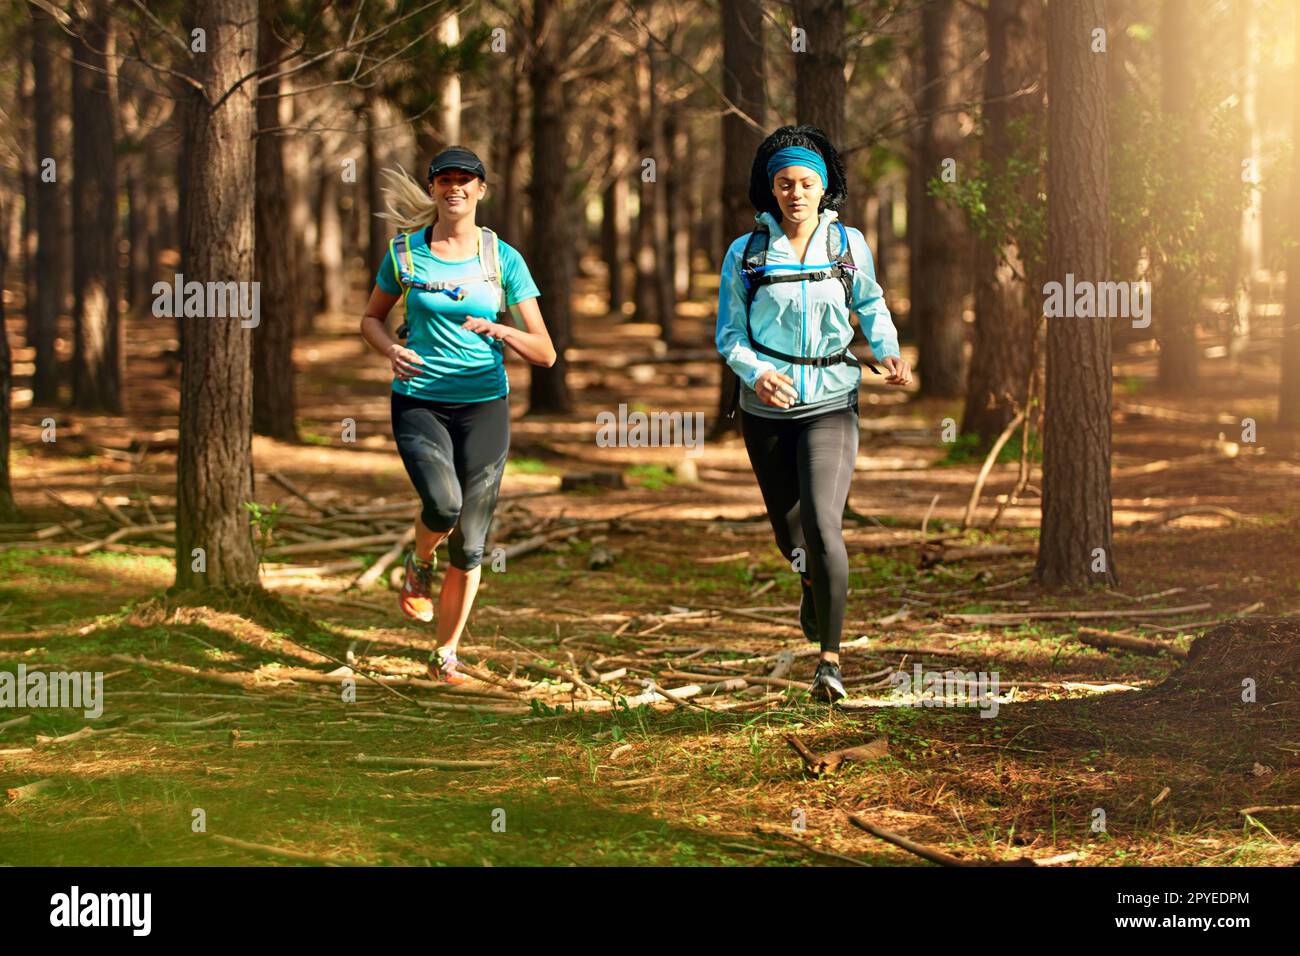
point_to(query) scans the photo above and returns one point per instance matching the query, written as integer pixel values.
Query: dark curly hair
(810, 137)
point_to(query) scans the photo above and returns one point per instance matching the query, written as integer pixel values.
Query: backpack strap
(752, 269)
(399, 250)
(489, 256)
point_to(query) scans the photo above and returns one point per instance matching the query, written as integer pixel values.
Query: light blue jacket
(801, 318)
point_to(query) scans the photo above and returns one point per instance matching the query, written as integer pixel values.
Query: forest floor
(1094, 756)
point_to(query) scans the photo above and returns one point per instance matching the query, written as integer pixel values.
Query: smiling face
(798, 191)
(457, 193)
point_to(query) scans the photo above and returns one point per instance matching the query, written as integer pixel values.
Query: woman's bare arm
(533, 342)
(375, 332)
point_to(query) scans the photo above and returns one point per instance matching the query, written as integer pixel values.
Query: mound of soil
(1266, 651)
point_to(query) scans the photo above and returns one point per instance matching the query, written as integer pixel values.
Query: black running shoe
(826, 683)
(808, 612)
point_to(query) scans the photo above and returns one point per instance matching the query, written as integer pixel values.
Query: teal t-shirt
(459, 366)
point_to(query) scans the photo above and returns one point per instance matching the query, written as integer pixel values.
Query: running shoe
(808, 612)
(444, 667)
(416, 596)
(826, 683)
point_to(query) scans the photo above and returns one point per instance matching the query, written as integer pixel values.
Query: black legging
(455, 454)
(804, 468)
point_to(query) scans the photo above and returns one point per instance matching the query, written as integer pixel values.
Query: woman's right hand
(775, 389)
(404, 361)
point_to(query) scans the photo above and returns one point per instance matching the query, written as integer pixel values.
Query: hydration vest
(752, 271)
(489, 258)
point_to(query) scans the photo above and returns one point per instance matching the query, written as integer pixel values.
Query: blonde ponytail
(410, 207)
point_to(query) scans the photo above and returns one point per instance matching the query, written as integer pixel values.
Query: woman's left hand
(493, 330)
(900, 373)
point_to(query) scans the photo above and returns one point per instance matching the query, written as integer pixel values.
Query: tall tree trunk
(330, 240)
(1176, 300)
(938, 299)
(302, 170)
(48, 190)
(677, 196)
(884, 233)
(1250, 246)
(1006, 308)
(25, 99)
(551, 245)
(648, 250)
(615, 220)
(508, 169)
(819, 94)
(97, 347)
(449, 35)
(743, 71)
(376, 229)
(1076, 524)
(665, 292)
(275, 406)
(1125, 244)
(8, 511)
(1288, 409)
(214, 475)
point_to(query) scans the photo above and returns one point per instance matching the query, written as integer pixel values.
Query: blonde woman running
(450, 411)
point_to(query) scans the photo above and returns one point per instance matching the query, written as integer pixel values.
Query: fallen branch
(120, 533)
(373, 573)
(426, 762)
(925, 852)
(293, 489)
(29, 790)
(1279, 808)
(818, 764)
(1065, 615)
(988, 466)
(940, 554)
(1094, 637)
(262, 849)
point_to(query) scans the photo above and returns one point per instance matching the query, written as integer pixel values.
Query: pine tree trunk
(1006, 308)
(819, 93)
(677, 191)
(97, 346)
(1288, 410)
(214, 457)
(645, 293)
(275, 406)
(938, 298)
(665, 293)
(330, 240)
(27, 250)
(551, 245)
(1176, 300)
(1076, 518)
(376, 229)
(615, 219)
(743, 71)
(884, 234)
(8, 511)
(512, 225)
(1249, 252)
(49, 197)
(137, 213)
(301, 170)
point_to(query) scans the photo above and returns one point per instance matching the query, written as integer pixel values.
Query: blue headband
(797, 156)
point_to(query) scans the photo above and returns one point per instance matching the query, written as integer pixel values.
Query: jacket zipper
(803, 287)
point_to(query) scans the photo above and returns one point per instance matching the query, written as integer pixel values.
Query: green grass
(650, 477)
(966, 450)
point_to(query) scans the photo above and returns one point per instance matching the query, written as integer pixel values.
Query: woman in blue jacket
(786, 292)
(468, 296)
